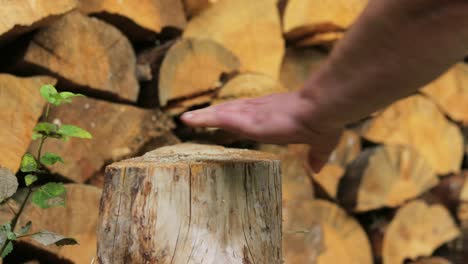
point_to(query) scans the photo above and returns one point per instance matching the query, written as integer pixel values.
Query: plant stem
(46, 116)
(39, 151)
(23, 205)
(14, 221)
(43, 138)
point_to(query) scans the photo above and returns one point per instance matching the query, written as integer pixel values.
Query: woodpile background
(394, 191)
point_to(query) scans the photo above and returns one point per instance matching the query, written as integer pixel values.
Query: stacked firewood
(393, 191)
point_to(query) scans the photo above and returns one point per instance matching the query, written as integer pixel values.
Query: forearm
(394, 48)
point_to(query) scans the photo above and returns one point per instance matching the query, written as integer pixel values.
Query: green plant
(49, 195)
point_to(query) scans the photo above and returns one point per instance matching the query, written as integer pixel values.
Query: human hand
(285, 118)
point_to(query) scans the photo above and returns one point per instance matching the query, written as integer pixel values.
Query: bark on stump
(192, 204)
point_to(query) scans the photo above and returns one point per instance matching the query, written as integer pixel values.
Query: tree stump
(192, 203)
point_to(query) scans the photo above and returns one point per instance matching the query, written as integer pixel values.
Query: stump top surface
(187, 152)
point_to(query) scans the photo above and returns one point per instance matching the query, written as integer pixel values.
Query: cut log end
(193, 66)
(320, 232)
(253, 35)
(402, 123)
(187, 152)
(33, 14)
(385, 176)
(59, 49)
(416, 231)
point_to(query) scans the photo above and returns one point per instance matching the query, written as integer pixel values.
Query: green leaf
(30, 179)
(3, 236)
(74, 131)
(8, 184)
(36, 135)
(49, 195)
(8, 249)
(49, 93)
(66, 97)
(25, 229)
(52, 96)
(47, 238)
(45, 128)
(11, 235)
(29, 163)
(4, 230)
(51, 159)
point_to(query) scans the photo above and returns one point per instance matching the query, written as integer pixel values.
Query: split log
(180, 106)
(21, 16)
(138, 19)
(192, 67)
(323, 39)
(79, 220)
(118, 132)
(248, 85)
(21, 105)
(307, 18)
(192, 203)
(347, 150)
(450, 92)
(85, 53)
(385, 176)
(250, 29)
(195, 7)
(432, 260)
(402, 123)
(298, 64)
(296, 179)
(416, 231)
(320, 232)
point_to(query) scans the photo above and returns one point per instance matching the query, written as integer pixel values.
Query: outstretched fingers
(235, 116)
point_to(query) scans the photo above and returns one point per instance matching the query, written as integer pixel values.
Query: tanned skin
(392, 50)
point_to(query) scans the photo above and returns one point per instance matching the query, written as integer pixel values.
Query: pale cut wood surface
(296, 178)
(248, 85)
(346, 151)
(86, 52)
(441, 143)
(20, 16)
(385, 176)
(192, 203)
(139, 19)
(450, 92)
(21, 106)
(417, 230)
(193, 66)
(250, 29)
(298, 65)
(304, 17)
(320, 232)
